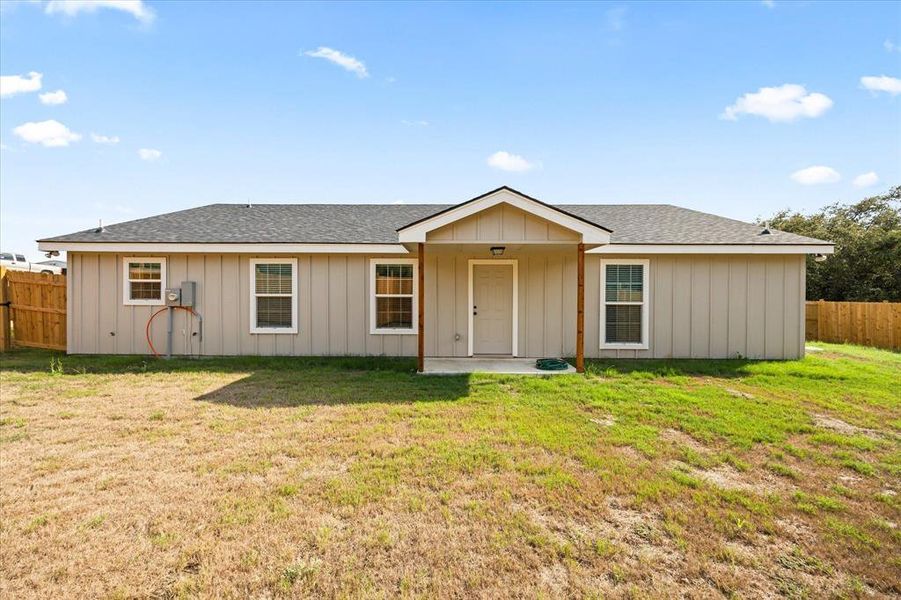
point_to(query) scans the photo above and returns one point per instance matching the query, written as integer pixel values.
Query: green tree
(866, 265)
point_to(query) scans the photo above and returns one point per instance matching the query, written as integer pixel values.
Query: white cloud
(816, 175)
(785, 103)
(109, 140)
(416, 123)
(509, 162)
(48, 133)
(768, 3)
(866, 179)
(11, 85)
(883, 83)
(53, 98)
(342, 60)
(616, 18)
(135, 8)
(149, 154)
(890, 46)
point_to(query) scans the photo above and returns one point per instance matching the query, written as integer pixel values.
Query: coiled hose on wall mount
(551, 364)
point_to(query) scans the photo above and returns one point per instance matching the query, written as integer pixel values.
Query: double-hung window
(393, 287)
(143, 280)
(624, 304)
(273, 295)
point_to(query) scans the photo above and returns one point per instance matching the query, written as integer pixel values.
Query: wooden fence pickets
(37, 309)
(875, 324)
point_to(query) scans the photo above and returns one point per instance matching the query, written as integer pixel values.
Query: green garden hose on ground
(551, 364)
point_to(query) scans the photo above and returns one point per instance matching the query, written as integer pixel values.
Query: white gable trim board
(416, 233)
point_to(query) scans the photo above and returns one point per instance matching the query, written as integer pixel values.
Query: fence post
(821, 308)
(5, 330)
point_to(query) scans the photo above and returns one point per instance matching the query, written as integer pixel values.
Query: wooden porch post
(420, 365)
(580, 312)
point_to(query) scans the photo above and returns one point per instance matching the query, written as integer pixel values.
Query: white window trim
(372, 312)
(253, 296)
(645, 303)
(126, 282)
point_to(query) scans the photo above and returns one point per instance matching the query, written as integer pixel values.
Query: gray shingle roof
(378, 224)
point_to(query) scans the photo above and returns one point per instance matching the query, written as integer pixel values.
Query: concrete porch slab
(509, 366)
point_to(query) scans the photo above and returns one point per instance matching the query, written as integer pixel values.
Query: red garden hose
(150, 320)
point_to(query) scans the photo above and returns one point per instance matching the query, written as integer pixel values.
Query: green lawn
(126, 476)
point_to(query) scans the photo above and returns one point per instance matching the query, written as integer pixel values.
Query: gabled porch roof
(591, 233)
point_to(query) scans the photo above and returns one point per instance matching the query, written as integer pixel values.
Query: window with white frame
(624, 304)
(143, 280)
(393, 288)
(273, 295)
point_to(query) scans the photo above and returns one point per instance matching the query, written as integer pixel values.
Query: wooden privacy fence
(36, 313)
(866, 323)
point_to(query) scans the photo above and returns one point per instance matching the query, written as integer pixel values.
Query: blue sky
(172, 105)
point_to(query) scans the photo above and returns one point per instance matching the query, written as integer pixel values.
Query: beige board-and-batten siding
(333, 308)
(717, 306)
(713, 306)
(333, 303)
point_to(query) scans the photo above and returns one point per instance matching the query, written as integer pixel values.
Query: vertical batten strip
(580, 310)
(421, 301)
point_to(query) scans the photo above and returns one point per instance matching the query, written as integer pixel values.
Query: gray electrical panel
(173, 296)
(188, 293)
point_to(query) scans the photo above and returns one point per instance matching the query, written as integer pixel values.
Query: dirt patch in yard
(683, 439)
(727, 477)
(839, 426)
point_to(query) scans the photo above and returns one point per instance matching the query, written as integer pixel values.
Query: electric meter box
(173, 296)
(188, 293)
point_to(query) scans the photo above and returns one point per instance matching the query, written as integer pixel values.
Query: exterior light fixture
(498, 250)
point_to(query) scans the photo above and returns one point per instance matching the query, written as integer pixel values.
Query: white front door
(492, 310)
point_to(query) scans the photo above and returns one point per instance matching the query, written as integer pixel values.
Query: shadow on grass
(269, 381)
(320, 386)
(722, 368)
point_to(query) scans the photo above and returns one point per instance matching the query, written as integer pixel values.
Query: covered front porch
(500, 278)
